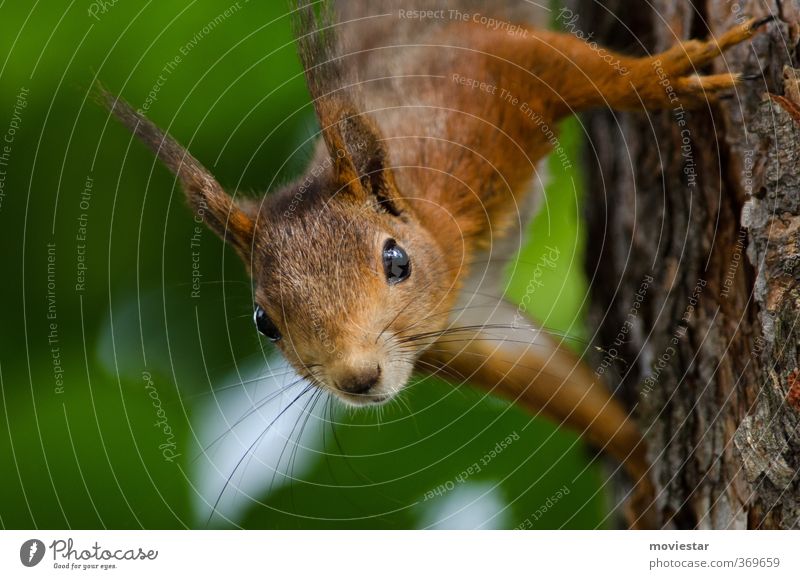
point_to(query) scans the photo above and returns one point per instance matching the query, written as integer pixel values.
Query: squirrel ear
(210, 202)
(361, 160)
(353, 142)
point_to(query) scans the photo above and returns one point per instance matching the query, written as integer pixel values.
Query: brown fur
(410, 154)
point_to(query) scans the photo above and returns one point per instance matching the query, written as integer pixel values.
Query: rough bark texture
(710, 210)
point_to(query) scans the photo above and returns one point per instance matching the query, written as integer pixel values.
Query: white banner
(353, 554)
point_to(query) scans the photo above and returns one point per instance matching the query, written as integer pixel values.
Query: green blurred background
(82, 431)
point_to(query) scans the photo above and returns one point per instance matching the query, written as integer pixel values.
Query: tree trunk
(694, 264)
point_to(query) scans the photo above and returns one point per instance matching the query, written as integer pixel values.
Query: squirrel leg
(511, 358)
(685, 58)
(587, 76)
(672, 77)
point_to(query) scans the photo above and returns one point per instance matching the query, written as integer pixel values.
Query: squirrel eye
(396, 263)
(265, 325)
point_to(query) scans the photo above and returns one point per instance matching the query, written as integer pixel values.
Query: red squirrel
(386, 257)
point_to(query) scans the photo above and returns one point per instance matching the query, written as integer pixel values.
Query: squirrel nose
(360, 383)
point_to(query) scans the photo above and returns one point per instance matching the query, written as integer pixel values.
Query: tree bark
(694, 266)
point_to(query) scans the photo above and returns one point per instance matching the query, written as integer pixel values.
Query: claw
(762, 21)
(754, 76)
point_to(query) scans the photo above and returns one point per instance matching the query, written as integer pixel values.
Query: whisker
(485, 339)
(297, 445)
(477, 327)
(408, 303)
(285, 446)
(260, 404)
(293, 460)
(216, 389)
(250, 450)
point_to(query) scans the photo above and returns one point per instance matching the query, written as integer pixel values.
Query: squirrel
(386, 257)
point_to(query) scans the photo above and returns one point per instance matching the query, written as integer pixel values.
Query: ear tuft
(355, 144)
(206, 196)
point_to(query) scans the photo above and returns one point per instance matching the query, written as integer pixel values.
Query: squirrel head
(345, 274)
(348, 282)
(346, 278)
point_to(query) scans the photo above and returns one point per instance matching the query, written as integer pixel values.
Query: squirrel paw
(687, 57)
(682, 62)
(695, 90)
